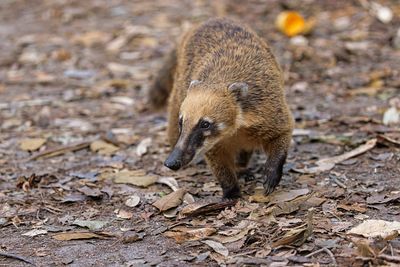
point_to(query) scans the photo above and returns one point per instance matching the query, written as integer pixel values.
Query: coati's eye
(205, 124)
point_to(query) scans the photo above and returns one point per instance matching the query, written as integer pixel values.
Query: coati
(226, 98)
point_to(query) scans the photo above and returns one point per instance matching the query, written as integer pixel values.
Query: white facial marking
(221, 126)
(207, 133)
(208, 119)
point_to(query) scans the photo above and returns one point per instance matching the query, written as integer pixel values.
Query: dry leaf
(32, 144)
(217, 247)
(203, 207)
(143, 146)
(132, 201)
(355, 207)
(278, 196)
(137, 177)
(77, 235)
(124, 214)
(92, 38)
(237, 236)
(186, 234)
(92, 225)
(375, 228)
(103, 148)
(328, 163)
(391, 116)
(35, 232)
(173, 184)
(296, 236)
(170, 201)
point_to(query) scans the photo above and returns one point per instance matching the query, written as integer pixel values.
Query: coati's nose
(174, 160)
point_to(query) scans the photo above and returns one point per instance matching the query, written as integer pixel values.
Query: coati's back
(221, 51)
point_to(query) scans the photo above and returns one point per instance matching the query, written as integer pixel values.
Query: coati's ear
(240, 89)
(194, 83)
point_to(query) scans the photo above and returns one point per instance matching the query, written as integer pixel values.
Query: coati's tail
(162, 84)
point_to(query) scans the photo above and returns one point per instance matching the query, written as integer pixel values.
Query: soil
(77, 71)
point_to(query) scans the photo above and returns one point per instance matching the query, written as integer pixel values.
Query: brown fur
(218, 53)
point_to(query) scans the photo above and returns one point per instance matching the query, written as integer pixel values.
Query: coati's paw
(271, 181)
(231, 193)
(247, 175)
(270, 185)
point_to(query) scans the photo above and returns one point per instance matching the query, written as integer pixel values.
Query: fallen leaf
(143, 146)
(130, 237)
(137, 177)
(237, 236)
(124, 214)
(185, 234)
(204, 207)
(217, 247)
(73, 198)
(35, 232)
(32, 144)
(92, 225)
(79, 235)
(375, 228)
(92, 38)
(383, 198)
(391, 116)
(288, 207)
(91, 192)
(296, 236)
(173, 184)
(169, 181)
(132, 201)
(171, 200)
(328, 163)
(278, 196)
(383, 13)
(355, 207)
(103, 148)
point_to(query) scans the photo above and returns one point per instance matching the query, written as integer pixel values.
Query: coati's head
(208, 114)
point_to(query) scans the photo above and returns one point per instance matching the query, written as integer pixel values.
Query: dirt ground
(76, 138)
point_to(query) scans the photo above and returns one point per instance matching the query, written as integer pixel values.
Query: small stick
(327, 251)
(60, 150)
(13, 256)
(339, 183)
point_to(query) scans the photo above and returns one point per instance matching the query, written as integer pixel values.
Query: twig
(13, 256)
(389, 258)
(339, 183)
(60, 150)
(327, 251)
(331, 255)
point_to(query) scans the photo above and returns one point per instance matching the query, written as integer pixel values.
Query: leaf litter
(100, 148)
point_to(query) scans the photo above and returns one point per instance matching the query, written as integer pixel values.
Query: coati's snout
(189, 144)
(174, 160)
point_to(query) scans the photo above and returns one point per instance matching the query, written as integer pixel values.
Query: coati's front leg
(276, 150)
(222, 164)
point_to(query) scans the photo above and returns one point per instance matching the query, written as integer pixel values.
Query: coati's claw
(270, 185)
